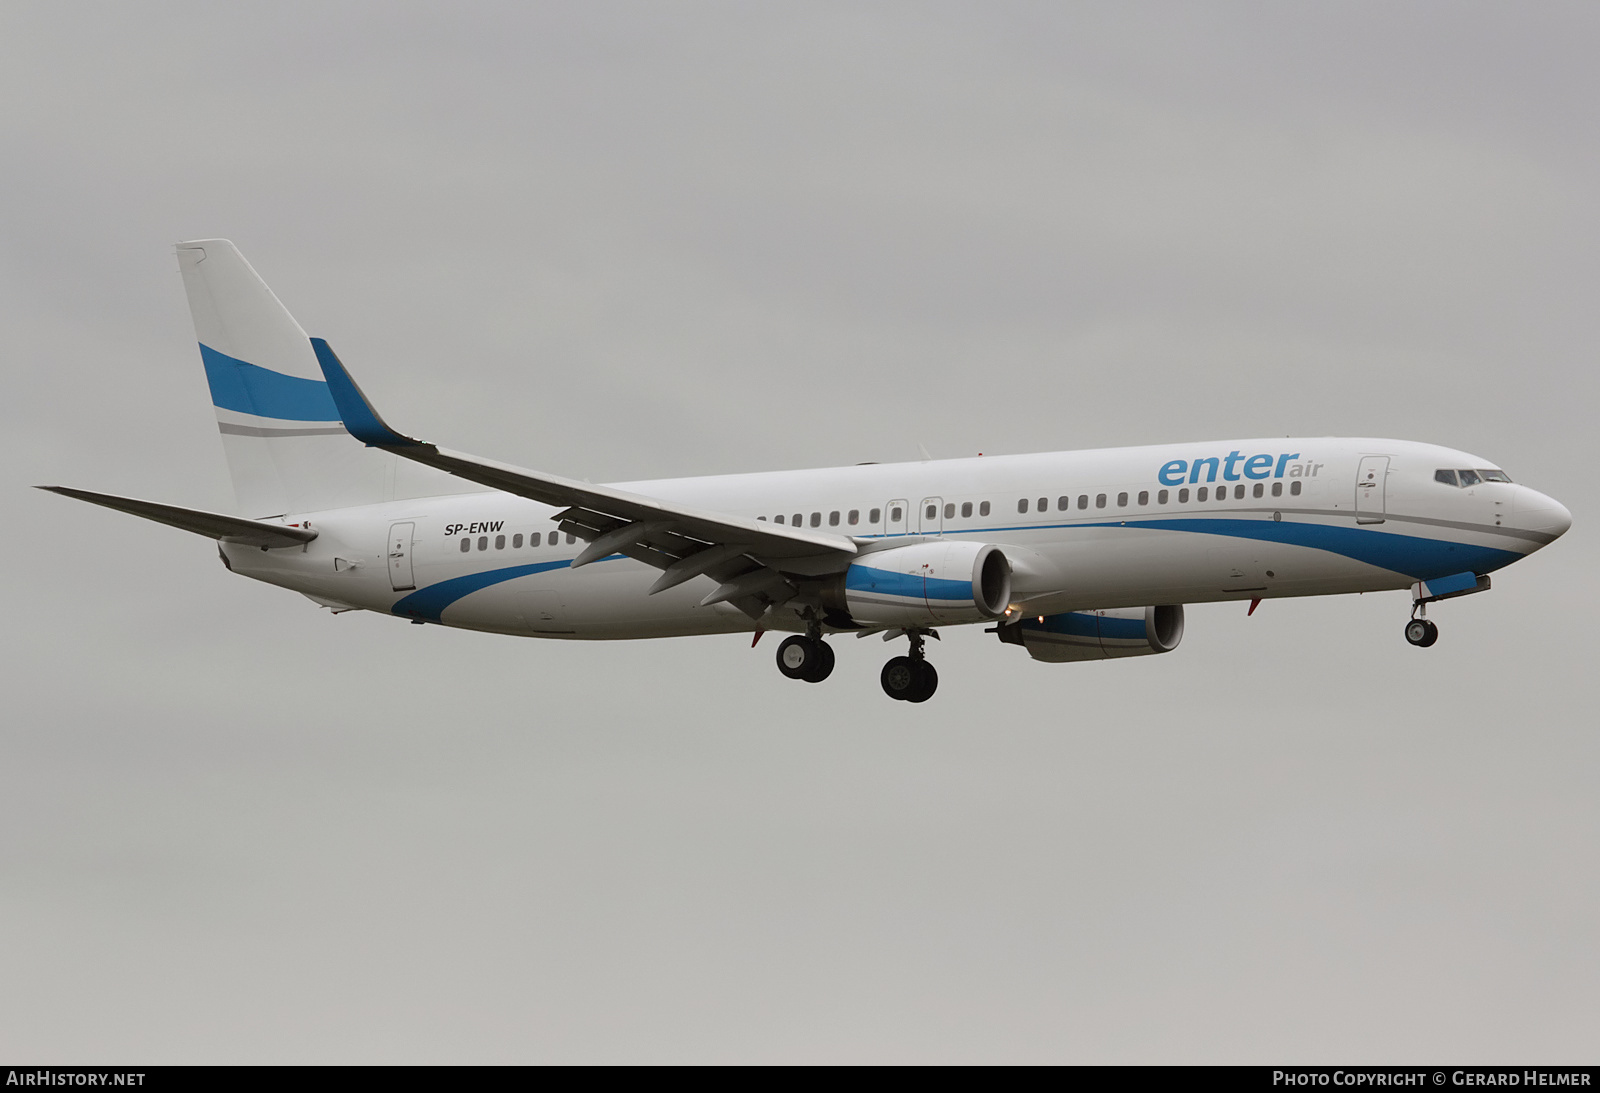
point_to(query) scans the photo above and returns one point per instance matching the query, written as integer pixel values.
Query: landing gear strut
(910, 678)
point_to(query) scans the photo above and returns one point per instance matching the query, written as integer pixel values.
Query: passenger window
(571, 538)
(1022, 505)
(874, 515)
(1447, 477)
(483, 542)
(1238, 492)
(1063, 503)
(466, 545)
(1161, 497)
(499, 542)
(966, 509)
(1469, 478)
(816, 519)
(778, 519)
(797, 519)
(1183, 496)
(1202, 493)
(854, 518)
(1294, 488)
(1083, 500)
(932, 512)
(833, 518)
(1099, 500)
(1122, 500)
(533, 540)
(1144, 497)
(763, 519)
(1044, 504)
(1222, 492)
(1258, 490)
(516, 541)
(983, 508)
(1277, 489)
(895, 515)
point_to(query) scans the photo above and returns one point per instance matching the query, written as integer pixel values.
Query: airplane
(1072, 556)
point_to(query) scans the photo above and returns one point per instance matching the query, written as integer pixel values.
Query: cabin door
(1370, 506)
(400, 578)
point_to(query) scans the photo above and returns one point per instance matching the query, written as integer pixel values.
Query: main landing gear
(905, 679)
(808, 658)
(910, 679)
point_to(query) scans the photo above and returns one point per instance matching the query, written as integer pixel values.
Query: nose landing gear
(1421, 633)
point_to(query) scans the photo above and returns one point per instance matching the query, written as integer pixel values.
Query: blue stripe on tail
(247, 388)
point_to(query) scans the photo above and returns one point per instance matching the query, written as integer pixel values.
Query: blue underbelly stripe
(1409, 554)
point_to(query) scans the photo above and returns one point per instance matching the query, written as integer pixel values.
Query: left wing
(748, 558)
(213, 525)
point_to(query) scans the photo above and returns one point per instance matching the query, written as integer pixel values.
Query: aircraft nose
(1536, 512)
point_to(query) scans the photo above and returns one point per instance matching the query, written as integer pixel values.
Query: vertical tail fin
(287, 451)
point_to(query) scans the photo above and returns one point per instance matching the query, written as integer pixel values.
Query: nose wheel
(806, 658)
(1421, 633)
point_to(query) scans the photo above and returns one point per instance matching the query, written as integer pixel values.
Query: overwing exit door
(400, 578)
(932, 520)
(1370, 504)
(895, 515)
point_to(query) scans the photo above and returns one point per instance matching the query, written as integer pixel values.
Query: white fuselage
(1110, 528)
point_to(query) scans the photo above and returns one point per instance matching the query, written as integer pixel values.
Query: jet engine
(1097, 635)
(927, 584)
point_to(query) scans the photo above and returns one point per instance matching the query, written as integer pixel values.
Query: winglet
(360, 419)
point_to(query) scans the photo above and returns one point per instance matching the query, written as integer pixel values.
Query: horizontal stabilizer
(213, 525)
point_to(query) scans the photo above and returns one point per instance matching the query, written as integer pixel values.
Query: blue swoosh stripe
(1417, 557)
(247, 388)
(429, 603)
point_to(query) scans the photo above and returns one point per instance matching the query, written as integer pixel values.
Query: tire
(798, 657)
(899, 678)
(1433, 634)
(1417, 632)
(927, 682)
(824, 665)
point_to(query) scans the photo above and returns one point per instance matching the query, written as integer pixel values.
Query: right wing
(748, 558)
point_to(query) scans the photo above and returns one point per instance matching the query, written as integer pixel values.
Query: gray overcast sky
(622, 240)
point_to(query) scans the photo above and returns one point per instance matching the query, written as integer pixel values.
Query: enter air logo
(1235, 467)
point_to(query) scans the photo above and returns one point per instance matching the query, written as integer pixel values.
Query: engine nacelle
(1098, 635)
(926, 584)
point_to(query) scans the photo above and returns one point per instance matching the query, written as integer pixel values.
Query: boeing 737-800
(1070, 555)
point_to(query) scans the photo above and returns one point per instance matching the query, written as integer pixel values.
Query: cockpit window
(1465, 478)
